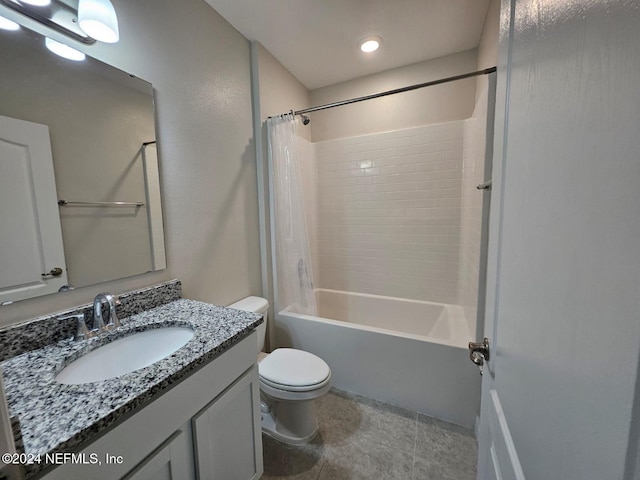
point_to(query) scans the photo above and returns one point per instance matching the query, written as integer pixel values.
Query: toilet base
(290, 421)
(270, 428)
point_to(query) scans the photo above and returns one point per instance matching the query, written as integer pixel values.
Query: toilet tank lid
(252, 304)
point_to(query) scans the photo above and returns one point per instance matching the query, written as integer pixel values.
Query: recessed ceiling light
(64, 51)
(6, 24)
(370, 44)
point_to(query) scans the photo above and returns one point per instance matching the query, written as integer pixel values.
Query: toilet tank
(256, 305)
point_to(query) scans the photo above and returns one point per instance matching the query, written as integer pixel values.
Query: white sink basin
(125, 355)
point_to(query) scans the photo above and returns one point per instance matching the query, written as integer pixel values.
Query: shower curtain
(293, 257)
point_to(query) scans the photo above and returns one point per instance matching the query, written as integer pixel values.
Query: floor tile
(347, 419)
(426, 470)
(360, 439)
(446, 448)
(299, 462)
(361, 462)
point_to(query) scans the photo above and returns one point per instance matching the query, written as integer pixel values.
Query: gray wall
(200, 68)
(280, 91)
(488, 47)
(442, 103)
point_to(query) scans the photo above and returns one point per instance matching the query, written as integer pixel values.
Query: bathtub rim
(460, 343)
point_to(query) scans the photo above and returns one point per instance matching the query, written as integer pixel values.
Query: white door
(29, 220)
(560, 392)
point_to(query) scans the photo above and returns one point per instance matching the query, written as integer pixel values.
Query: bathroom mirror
(101, 137)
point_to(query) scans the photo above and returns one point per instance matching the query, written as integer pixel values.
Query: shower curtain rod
(486, 71)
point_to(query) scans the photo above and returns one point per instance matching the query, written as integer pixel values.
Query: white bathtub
(405, 352)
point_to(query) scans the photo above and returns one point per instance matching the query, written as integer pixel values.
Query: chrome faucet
(98, 317)
(82, 332)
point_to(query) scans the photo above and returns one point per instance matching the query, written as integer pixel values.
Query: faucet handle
(114, 321)
(82, 332)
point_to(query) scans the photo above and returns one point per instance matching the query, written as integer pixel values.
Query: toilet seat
(289, 388)
(283, 393)
(288, 369)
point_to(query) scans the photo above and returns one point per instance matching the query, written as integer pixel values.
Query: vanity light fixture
(37, 3)
(6, 24)
(92, 20)
(63, 50)
(97, 18)
(370, 44)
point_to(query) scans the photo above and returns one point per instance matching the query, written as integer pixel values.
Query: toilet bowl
(290, 380)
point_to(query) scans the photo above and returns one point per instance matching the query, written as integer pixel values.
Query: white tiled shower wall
(388, 212)
(397, 213)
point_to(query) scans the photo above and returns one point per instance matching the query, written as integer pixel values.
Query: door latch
(55, 272)
(479, 353)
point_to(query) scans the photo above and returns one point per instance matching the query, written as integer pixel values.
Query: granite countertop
(58, 418)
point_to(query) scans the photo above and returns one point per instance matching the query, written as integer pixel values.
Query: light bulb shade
(63, 50)
(6, 24)
(97, 18)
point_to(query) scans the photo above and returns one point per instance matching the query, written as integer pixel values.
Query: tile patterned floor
(361, 438)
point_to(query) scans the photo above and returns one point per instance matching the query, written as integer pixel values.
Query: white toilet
(290, 380)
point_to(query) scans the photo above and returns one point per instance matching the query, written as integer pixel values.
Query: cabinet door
(170, 461)
(227, 433)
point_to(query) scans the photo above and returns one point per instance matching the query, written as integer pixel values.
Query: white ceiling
(318, 40)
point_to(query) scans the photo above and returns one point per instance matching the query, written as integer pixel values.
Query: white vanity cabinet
(173, 460)
(225, 435)
(207, 427)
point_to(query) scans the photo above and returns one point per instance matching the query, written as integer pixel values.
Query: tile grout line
(324, 463)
